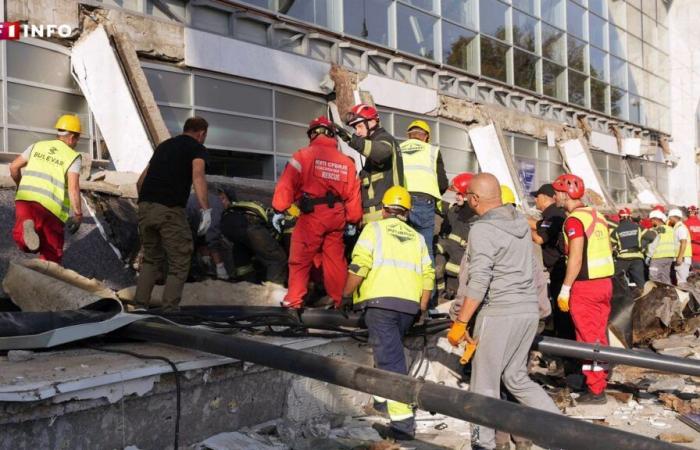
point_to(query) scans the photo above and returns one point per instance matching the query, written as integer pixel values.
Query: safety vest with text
(395, 264)
(44, 177)
(597, 251)
(688, 253)
(420, 167)
(665, 247)
(627, 237)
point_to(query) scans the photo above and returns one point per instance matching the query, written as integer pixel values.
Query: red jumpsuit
(590, 309)
(693, 224)
(316, 171)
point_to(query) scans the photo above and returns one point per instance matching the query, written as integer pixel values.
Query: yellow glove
(563, 298)
(457, 333)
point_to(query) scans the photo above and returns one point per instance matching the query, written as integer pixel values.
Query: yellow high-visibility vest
(44, 177)
(394, 262)
(665, 247)
(598, 260)
(688, 253)
(420, 167)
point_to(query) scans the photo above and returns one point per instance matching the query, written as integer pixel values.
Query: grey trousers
(660, 270)
(502, 352)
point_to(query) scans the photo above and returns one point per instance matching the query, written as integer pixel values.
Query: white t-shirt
(74, 168)
(680, 232)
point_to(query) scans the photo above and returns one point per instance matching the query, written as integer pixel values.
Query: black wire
(176, 372)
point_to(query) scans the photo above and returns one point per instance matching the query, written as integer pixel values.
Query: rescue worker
(453, 238)
(323, 183)
(693, 224)
(501, 282)
(587, 289)
(660, 253)
(627, 246)
(246, 225)
(425, 179)
(391, 279)
(383, 167)
(47, 176)
(177, 165)
(209, 247)
(682, 249)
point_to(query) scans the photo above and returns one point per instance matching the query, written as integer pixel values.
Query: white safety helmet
(675, 212)
(656, 214)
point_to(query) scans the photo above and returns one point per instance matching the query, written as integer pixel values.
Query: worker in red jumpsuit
(587, 288)
(693, 224)
(323, 183)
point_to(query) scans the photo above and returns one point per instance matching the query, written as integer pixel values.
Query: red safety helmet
(320, 125)
(361, 113)
(692, 210)
(460, 183)
(661, 208)
(624, 212)
(571, 184)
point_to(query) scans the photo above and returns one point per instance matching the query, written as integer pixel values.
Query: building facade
(253, 69)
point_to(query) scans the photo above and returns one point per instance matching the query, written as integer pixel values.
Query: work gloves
(278, 222)
(343, 134)
(73, 224)
(563, 298)
(204, 222)
(350, 230)
(346, 304)
(457, 333)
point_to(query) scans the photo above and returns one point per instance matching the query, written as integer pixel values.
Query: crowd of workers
(372, 240)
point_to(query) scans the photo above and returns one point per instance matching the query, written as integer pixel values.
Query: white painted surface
(632, 146)
(221, 54)
(400, 95)
(645, 193)
(580, 164)
(100, 77)
(490, 155)
(604, 142)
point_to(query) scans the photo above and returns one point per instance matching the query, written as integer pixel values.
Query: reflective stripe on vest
(628, 238)
(397, 262)
(665, 247)
(688, 252)
(598, 252)
(458, 239)
(420, 167)
(44, 177)
(251, 207)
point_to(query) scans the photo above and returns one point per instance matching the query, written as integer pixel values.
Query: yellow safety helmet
(68, 122)
(507, 196)
(397, 196)
(421, 124)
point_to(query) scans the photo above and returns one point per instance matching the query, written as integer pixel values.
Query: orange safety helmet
(571, 184)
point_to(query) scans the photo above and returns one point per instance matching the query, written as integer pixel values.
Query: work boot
(31, 239)
(589, 398)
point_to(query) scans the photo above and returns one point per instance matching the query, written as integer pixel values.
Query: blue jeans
(386, 330)
(422, 219)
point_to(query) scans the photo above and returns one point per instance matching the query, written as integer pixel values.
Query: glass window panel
(220, 94)
(428, 5)
(526, 5)
(401, 124)
(458, 47)
(575, 20)
(371, 21)
(280, 164)
(259, 3)
(618, 41)
(525, 69)
(634, 50)
(297, 109)
(19, 140)
(493, 59)
(553, 80)
(524, 31)
(661, 11)
(36, 107)
(386, 121)
(545, 153)
(663, 39)
(635, 79)
(598, 95)
(210, 19)
(597, 64)
(29, 62)
(577, 88)
(575, 53)
(634, 21)
(617, 13)
(553, 12)
(651, 57)
(126, 4)
(169, 87)
(174, 118)
(166, 9)
(415, 32)
(251, 30)
(241, 164)
(618, 72)
(456, 161)
(460, 11)
(635, 109)
(453, 137)
(553, 44)
(492, 15)
(290, 138)
(597, 31)
(598, 7)
(600, 160)
(236, 131)
(314, 11)
(524, 147)
(650, 31)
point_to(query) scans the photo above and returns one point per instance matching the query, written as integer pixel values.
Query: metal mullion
(47, 87)
(232, 113)
(3, 55)
(274, 134)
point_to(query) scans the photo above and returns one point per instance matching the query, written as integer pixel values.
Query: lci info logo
(11, 31)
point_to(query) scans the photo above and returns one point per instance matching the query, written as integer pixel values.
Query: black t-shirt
(169, 177)
(549, 229)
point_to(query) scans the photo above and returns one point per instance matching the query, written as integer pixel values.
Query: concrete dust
(217, 292)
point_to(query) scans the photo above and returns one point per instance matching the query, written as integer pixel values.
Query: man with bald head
(501, 283)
